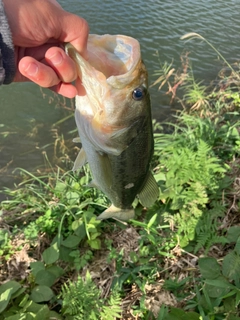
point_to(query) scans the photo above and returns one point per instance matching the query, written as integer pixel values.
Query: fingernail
(56, 58)
(32, 69)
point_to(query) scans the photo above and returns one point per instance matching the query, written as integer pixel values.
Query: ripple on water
(158, 25)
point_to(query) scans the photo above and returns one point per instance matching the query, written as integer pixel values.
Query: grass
(180, 259)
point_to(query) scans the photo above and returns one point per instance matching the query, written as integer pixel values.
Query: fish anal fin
(80, 160)
(118, 213)
(150, 192)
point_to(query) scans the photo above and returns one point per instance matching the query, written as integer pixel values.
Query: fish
(114, 123)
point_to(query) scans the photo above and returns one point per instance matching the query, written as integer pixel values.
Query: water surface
(27, 117)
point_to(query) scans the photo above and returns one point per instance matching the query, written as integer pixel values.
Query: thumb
(55, 3)
(75, 30)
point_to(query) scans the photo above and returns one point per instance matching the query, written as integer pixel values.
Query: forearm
(7, 61)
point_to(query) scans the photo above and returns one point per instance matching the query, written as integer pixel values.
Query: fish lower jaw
(117, 213)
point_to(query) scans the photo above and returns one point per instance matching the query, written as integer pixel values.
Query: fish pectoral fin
(76, 140)
(150, 192)
(118, 213)
(80, 160)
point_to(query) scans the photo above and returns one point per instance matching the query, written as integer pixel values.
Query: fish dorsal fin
(77, 140)
(80, 160)
(150, 191)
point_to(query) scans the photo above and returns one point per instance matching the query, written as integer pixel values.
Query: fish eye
(138, 94)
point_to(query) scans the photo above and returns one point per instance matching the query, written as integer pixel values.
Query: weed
(81, 300)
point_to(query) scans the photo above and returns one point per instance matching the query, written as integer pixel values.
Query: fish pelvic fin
(150, 192)
(118, 213)
(80, 160)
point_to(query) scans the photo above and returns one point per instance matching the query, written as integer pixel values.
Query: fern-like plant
(193, 174)
(81, 301)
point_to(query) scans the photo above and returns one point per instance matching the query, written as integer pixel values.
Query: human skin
(39, 29)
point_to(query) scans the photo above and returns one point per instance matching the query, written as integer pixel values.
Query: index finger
(55, 3)
(74, 30)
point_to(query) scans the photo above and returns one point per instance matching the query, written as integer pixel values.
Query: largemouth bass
(115, 124)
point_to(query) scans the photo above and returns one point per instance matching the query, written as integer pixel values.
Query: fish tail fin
(150, 192)
(118, 213)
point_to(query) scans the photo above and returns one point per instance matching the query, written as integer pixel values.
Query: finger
(65, 89)
(68, 90)
(55, 3)
(62, 64)
(38, 53)
(74, 30)
(38, 72)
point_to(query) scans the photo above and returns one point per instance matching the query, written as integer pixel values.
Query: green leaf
(77, 223)
(55, 270)
(41, 294)
(19, 317)
(36, 311)
(60, 187)
(237, 299)
(54, 316)
(218, 288)
(33, 307)
(4, 299)
(24, 302)
(179, 314)
(36, 266)
(160, 176)
(190, 316)
(51, 254)
(232, 317)
(6, 291)
(221, 282)
(229, 304)
(215, 291)
(237, 246)
(95, 243)
(95, 235)
(45, 278)
(151, 221)
(233, 233)
(43, 313)
(79, 228)
(65, 254)
(18, 293)
(14, 285)
(72, 241)
(209, 268)
(72, 197)
(231, 266)
(230, 294)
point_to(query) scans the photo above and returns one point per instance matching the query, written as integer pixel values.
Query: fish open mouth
(113, 59)
(113, 55)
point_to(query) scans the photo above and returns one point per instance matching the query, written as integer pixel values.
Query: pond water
(27, 113)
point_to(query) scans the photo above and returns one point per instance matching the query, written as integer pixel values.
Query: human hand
(39, 29)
